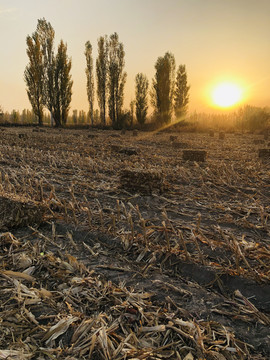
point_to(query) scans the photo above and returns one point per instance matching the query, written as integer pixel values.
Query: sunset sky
(217, 40)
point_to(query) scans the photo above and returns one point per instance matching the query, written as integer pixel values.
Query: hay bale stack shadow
(194, 155)
(141, 181)
(15, 212)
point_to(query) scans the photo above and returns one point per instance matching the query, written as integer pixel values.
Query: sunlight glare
(226, 94)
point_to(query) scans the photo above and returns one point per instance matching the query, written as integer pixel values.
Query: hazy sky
(217, 40)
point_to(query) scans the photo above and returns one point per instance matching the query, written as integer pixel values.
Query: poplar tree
(116, 79)
(163, 88)
(90, 79)
(141, 89)
(181, 97)
(34, 76)
(52, 79)
(62, 85)
(101, 71)
(46, 35)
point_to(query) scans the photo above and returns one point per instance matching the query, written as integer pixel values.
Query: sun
(226, 95)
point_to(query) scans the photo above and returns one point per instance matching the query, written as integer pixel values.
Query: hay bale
(180, 145)
(141, 181)
(173, 138)
(129, 151)
(115, 147)
(221, 136)
(194, 155)
(124, 150)
(264, 154)
(258, 141)
(15, 212)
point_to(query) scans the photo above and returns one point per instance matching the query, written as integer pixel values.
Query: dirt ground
(134, 253)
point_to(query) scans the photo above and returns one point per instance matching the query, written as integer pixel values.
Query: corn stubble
(56, 307)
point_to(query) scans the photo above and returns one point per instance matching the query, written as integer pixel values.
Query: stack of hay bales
(221, 136)
(180, 145)
(258, 141)
(141, 181)
(22, 136)
(194, 155)
(15, 212)
(129, 151)
(124, 150)
(264, 154)
(115, 147)
(173, 138)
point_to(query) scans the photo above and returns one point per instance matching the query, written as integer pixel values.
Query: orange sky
(217, 40)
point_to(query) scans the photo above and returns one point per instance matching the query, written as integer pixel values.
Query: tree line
(49, 83)
(246, 118)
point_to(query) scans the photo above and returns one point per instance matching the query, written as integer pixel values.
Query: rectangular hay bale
(221, 136)
(194, 155)
(173, 138)
(180, 145)
(258, 141)
(15, 212)
(141, 181)
(264, 154)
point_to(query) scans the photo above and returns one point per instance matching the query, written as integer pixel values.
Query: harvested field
(95, 264)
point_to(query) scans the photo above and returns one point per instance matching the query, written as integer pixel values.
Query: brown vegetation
(140, 255)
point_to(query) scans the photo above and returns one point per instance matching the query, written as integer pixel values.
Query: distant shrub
(255, 118)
